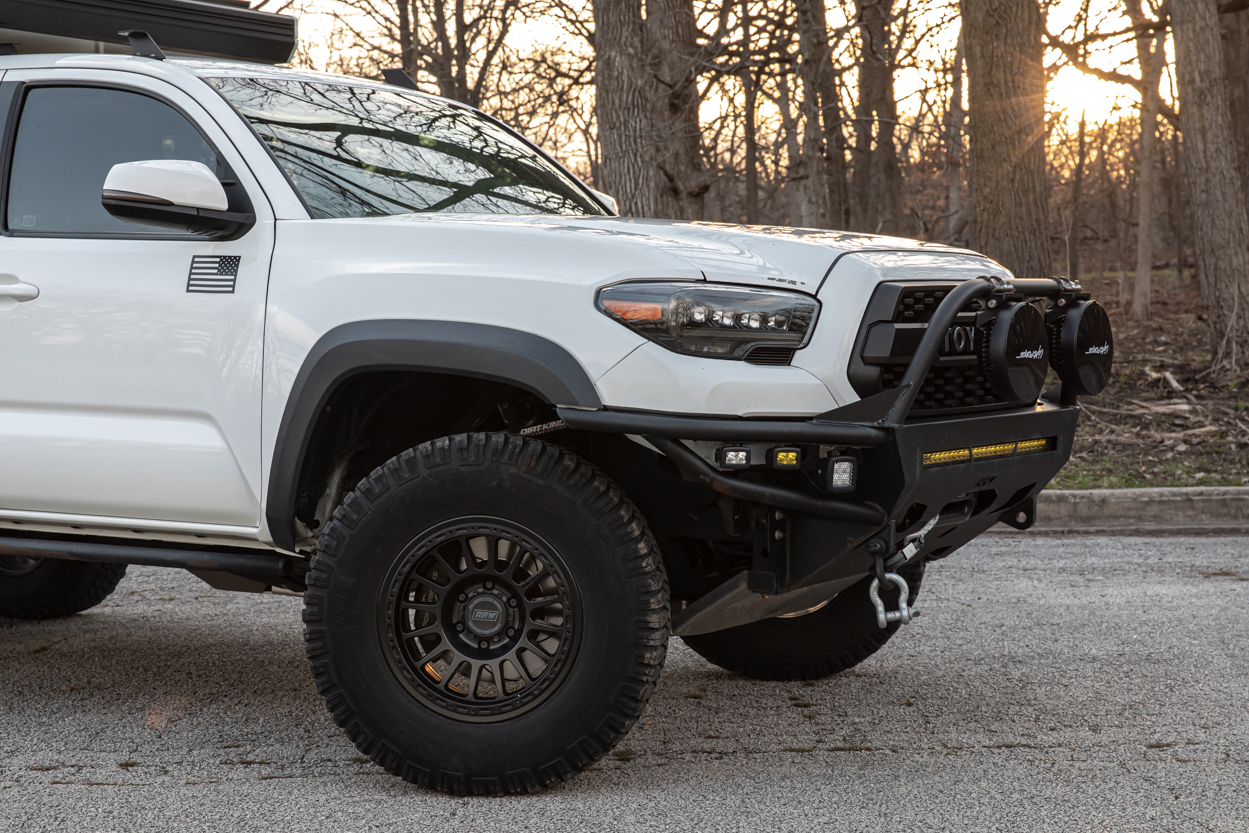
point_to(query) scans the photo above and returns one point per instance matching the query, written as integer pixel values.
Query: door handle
(11, 287)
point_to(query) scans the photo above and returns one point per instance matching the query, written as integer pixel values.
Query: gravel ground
(1052, 683)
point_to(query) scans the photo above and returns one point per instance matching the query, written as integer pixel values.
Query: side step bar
(284, 571)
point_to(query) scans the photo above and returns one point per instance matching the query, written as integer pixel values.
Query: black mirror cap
(1082, 347)
(218, 225)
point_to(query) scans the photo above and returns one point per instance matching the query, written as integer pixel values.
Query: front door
(130, 358)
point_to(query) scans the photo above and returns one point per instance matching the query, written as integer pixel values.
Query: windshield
(365, 152)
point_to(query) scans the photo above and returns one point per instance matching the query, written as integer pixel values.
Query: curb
(1219, 510)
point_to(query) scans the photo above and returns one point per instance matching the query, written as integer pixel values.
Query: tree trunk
(1150, 60)
(1006, 133)
(1077, 191)
(1236, 67)
(671, 39)
(1220, 221)
(749, 126)
(623, 109)
(812, 49)
(877, 174)
(956, 218)
(812, 18)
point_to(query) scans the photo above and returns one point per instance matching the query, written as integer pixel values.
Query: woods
(959, 121)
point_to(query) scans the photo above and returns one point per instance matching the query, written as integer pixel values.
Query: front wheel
(487, 614)
(831, 637)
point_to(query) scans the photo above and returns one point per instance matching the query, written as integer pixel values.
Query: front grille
(769, 356)
(946, 387)
(917, 304)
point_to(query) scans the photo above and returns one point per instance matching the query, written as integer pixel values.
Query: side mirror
(609, 201)
(174, 194)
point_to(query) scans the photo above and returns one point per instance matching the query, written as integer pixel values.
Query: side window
(68, 138)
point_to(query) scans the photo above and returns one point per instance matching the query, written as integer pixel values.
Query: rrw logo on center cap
(486, 615)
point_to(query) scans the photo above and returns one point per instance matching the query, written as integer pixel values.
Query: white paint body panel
(130, 404)
(123, 395)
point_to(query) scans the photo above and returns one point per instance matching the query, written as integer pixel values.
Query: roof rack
(142, 44)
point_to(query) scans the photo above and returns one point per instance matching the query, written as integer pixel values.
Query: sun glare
(1074, 93)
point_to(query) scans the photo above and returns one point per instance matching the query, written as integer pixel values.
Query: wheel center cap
(485, 616)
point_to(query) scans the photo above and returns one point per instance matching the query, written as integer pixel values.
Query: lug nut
(511, 603)
(463, 597)
(483, 644)
(511, 631)
(490, 585)
(459, 627)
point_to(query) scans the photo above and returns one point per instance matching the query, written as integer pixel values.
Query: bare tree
(1150, 57)
(877, 174)
(1221, 224)
(1006, 131)
(673, 60)
(1235, 26)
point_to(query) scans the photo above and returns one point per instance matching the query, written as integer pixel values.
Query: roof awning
(225, 28)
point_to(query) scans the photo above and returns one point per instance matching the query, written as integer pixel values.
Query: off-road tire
(57, 588)
(609, 554)
(834, 638)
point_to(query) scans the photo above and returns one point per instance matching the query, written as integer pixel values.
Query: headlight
(711, 320)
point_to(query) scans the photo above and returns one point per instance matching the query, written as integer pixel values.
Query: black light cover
(1082, 348)
(1014, 353)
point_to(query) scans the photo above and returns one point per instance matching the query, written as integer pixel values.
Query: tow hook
(905, 613)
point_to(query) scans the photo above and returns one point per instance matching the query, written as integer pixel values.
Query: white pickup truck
(323, 336)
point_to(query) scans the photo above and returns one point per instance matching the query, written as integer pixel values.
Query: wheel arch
(478, 351)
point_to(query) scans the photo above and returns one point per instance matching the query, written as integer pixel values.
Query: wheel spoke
(534, 604)
(544, 627)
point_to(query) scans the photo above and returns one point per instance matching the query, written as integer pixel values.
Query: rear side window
(68, 138)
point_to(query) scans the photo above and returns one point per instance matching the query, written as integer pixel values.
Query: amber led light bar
(985, 452)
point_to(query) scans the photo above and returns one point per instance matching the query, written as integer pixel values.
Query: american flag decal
(213, 273)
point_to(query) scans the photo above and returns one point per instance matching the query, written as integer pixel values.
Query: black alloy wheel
(486, 613)
(481, 619)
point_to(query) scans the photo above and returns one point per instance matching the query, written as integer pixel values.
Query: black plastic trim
(482, 351)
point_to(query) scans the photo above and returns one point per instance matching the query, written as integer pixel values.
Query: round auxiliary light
(1082, 348)
(1015, 357)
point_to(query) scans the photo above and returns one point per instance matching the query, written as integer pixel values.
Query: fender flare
(483, 351)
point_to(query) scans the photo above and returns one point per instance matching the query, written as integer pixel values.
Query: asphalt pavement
(1069, 684)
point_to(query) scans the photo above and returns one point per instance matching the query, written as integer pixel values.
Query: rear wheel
(829, 638)
(487, 614)
(49, 588)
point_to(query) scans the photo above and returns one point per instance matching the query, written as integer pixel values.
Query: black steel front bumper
(813, 541)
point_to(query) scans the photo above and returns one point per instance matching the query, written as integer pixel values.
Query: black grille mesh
(770, 355)
(917, 304)
(946, 387)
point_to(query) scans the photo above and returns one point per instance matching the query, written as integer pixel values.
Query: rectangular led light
(733, 457)
(996, 450)
(954, 455)
(840, 474)
(1043, 444)
(784, 458)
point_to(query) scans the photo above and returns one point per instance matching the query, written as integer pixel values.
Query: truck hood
(752, 255)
